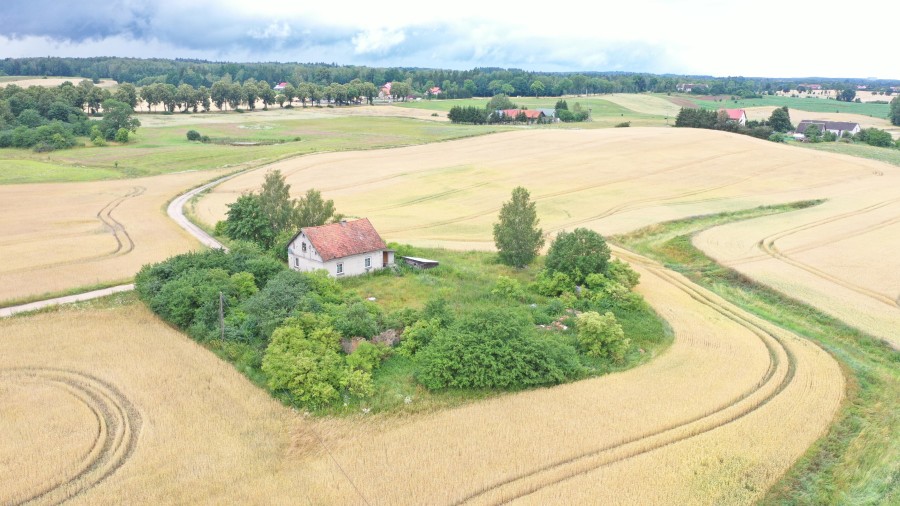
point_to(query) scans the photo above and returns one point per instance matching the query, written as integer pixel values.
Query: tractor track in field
(770, 249)
(117, 427)
(124, 242)
(779, 375)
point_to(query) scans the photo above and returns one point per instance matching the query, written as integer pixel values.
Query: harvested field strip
(118, 426)
(782, 367)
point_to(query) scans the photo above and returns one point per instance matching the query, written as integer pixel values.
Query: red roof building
(530, 114)
(343, 248)
(738, 115)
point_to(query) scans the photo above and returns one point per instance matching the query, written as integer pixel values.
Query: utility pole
(221, 316)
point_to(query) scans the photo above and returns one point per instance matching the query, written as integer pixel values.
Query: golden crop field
(176, 425)
(135, 412)
(66, 235)
(839, 256)
(617, 180)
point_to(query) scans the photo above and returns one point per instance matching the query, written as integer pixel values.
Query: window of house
(303, 247)
(368, 262)
(296, 262)
(340, 268)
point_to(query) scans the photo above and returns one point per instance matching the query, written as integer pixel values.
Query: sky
(763, 38)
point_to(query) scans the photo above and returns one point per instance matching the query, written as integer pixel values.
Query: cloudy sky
(718, 37)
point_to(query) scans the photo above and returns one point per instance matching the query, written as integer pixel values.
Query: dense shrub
(875, 137)
(494, 348)
(418, 335)
(578, 254)
(357, 319)
(474, 115)
(601, 336)
(367, 356)
(193, 135)
(309, 367)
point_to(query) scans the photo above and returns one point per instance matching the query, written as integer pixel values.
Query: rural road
(175, 210)
(68, 299)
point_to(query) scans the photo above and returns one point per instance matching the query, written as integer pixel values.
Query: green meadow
(240, 140)
(604, 113)
(802, 104)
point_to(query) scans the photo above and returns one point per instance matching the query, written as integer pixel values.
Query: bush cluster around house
(468, 328)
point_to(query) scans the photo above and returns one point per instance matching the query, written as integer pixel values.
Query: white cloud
(767, 38)
(275, 30)
(377, 41)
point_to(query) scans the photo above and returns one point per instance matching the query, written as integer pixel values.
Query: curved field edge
(858, 460)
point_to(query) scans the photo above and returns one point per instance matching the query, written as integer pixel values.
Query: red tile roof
(343, 239)
(529, 113)
(735, 114)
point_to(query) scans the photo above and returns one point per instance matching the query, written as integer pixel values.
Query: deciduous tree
(313, 210)
(578, 254)
(895, 111)
(516, 235)
(780, 120)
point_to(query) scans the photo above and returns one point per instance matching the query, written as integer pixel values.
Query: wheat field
(179, 426)
(618, 180)
(718, 418)
(61, 236)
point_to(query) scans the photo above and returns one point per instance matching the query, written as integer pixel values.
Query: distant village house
(280, 86)
(689, 87)
(838, 128)
(347, 248)
(737, 115)
(530, 115)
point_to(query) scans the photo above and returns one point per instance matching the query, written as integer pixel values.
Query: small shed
(420, 263)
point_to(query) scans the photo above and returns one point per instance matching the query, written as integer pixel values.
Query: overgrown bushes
(316, 344)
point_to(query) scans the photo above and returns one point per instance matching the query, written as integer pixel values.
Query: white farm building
(347, 248)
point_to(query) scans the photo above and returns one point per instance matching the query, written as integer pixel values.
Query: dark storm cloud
(185, 25)
(75, 21)
(205, 29)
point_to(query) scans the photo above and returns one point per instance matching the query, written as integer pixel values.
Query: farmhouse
(689, 87)
(738, 115)
(347, 248)
(838, 128)
(436, 90)
(531, 115)
(279, 86)
(385, 92)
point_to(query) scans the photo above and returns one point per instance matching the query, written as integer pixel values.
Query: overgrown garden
(405, 338)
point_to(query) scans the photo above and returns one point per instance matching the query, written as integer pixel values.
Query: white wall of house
(302, 256)
(840, 133)
(355, 265)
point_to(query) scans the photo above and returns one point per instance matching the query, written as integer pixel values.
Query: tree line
(49, 118)
(478, 82)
